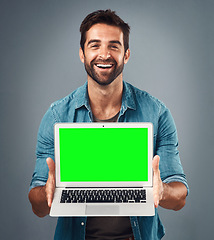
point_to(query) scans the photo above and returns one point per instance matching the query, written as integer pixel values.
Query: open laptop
(103, 169)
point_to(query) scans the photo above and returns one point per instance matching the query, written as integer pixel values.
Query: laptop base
(102, 209)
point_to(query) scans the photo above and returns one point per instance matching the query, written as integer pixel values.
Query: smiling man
(104, 55)
(106, 97)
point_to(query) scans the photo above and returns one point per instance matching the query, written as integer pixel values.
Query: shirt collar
(127, 98)
(82, 97)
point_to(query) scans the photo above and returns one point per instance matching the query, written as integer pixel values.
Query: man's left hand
(157, 182)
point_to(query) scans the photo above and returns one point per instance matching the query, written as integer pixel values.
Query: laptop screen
(103, 154)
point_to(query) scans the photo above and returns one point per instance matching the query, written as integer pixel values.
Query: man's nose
(104, 53)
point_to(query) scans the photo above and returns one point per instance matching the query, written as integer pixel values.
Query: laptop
(103, 169)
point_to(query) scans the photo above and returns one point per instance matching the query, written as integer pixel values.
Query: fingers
(50, 185)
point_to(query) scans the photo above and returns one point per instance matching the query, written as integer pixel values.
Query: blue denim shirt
(137, 106)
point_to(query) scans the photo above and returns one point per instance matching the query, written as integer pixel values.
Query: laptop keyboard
(104, 196)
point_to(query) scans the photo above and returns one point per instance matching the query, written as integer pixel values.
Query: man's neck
(105, 101)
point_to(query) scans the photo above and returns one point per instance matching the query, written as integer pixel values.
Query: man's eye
(95, 46)
(114, 47)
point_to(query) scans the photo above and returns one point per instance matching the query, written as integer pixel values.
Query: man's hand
(168, 195)
(157, 182)
(41, 197)
(50, 184)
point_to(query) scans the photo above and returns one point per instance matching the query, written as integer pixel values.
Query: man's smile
(104, 66)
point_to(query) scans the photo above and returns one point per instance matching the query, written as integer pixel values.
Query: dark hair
(104, 16)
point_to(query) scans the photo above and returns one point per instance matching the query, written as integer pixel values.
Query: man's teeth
(104, 65)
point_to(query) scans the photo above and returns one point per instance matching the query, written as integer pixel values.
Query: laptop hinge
(105, 187)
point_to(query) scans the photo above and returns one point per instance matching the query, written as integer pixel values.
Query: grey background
(171, 46)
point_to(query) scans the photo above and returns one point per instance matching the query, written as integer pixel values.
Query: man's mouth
(104, 66)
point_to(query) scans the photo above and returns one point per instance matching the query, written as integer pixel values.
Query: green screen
(103, 154)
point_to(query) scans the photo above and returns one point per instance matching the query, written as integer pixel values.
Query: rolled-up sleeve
(177, 178)
(171, 169)
(44, 149)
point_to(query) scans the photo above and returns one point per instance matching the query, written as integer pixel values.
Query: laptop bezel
(117, 184)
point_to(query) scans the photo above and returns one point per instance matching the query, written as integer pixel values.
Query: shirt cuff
(37, 183)
(177, 178)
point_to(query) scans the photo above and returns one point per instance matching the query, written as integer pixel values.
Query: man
(106, 97)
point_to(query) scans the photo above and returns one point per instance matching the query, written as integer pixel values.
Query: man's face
(104, 55)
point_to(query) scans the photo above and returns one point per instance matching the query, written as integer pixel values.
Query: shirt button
(82, 223)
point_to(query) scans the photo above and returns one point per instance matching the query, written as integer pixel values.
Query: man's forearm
(37, 197)
(174, 196)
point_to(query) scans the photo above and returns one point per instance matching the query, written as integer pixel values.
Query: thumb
(51, 165)
(156, 180)
(155, 163)
(50, 184)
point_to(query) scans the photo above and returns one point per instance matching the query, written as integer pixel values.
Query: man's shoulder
(63, 110)
(70, 99)
(142, 96)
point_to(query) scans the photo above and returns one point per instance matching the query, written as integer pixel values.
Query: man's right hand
(41, 197)
(50, 184)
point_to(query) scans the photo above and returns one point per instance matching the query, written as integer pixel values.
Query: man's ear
(127, 56)
(81, 54)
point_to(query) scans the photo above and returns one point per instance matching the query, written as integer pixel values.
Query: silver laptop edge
(103, 209)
